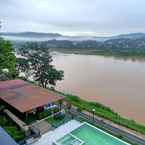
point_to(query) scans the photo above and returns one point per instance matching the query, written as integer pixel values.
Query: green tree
(40, 62)
(22, 66)
(7, 60)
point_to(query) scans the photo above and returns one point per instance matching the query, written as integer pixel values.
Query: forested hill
(120, 46)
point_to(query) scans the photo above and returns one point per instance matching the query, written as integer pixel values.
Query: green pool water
(89, 135)
(69, 140)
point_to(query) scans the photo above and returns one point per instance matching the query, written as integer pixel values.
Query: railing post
(93, 110)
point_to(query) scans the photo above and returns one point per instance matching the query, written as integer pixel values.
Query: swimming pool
(87, 134)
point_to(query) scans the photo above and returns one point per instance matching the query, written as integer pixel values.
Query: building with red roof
(24, 96)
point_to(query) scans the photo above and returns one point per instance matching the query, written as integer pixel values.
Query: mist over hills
(124, 44)
(30, 34)
(57, 36)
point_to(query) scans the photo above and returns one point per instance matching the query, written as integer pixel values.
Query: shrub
(44, 114)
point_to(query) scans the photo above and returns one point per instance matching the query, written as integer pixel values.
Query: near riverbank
(104, 112)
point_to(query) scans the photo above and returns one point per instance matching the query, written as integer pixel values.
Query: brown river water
(117, 83)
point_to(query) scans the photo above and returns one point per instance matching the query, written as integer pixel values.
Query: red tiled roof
(24, 96)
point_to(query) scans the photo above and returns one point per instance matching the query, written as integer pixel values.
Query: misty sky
(73, 17)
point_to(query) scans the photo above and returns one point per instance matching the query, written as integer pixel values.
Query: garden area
(11, 128)
(39, 115)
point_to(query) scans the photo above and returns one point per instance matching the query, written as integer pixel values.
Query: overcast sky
(73, 17)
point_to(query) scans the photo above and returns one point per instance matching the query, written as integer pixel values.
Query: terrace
(25, 104)
(63, 128)
(42, 109)
(88, 134)
(76, 132)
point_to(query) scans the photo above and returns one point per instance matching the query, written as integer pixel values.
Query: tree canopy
(38, 63)
(7, 60)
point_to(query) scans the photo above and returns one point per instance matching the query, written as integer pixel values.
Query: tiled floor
(49, 137)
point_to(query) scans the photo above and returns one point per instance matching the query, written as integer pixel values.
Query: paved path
(42, 126)
(114, 130)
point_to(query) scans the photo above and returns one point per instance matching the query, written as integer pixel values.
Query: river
(117, 83)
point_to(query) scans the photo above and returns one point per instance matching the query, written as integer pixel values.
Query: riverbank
(104, 112)
(124, 55)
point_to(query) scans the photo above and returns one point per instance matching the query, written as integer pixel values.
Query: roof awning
(24, 96)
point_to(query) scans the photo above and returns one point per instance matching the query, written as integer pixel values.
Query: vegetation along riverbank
(104, 112)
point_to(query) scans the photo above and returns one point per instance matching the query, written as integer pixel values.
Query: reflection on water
(126, 58)
(117, 83)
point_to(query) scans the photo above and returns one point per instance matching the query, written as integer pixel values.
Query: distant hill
(129, 36)
(31, 34)
(57, 36)
(118, 46)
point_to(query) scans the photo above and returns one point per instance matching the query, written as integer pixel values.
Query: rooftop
(24, 96)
